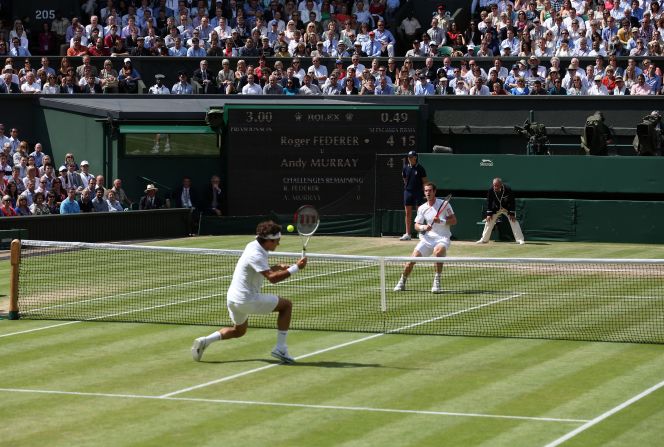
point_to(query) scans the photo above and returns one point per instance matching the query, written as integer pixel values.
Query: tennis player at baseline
(434, 235)
(244, 297)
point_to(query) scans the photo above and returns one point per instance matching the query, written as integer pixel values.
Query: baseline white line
(332, 348)
(294, 405)
(605, 415)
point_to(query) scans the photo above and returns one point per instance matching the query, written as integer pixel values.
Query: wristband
(293, 269)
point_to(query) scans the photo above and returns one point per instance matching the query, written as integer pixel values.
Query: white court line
(157, 306)
(294, 405)
(39, 329)
(332, 348)
(605, 415)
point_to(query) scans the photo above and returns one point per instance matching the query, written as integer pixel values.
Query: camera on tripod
(538, 141)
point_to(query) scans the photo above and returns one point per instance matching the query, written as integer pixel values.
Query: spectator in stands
(57, 191)
(120, 194)
(205, 78)
(85, 203)
(69, 205)
(212, 199)
(85, 174)
(150, 200)
(114, 204)
(7, 209)
(38, 206)
(22, 208)
(77, 49)
(273, 87)
(108, 78)
(99, 204)
(640, 88)
(251, 88)
(128, 78)
(182, 87)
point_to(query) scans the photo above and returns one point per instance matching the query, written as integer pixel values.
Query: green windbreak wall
(555, 220)
(642, 175)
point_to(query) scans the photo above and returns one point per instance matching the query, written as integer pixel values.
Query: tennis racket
(441, 208)
(306, 221)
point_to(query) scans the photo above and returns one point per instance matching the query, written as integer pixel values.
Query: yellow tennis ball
(290, 228)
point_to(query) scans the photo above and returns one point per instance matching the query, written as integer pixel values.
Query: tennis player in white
(244, 297)
(434, 235)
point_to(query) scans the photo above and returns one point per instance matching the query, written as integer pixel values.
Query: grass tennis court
(92, 383)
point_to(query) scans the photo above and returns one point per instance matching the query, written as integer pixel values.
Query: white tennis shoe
(405, 237)
(155, 149)
(401, 286)
(282, 354)
(435, 288)
(521, 242)
(198, 347)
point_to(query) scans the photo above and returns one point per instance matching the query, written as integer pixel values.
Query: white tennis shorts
(426, 247)
(259, 304)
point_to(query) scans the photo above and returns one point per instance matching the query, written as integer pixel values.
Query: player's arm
(276, 273)
(451, 220)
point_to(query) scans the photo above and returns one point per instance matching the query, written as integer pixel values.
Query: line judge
(500, 201)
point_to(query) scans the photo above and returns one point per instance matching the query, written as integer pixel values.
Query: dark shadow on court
(321, 364)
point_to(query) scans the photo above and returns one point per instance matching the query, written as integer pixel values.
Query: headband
(270, 236)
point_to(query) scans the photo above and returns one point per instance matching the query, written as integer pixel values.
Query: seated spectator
(640, 88)
(52, 203)
(69, 205)
(120, 194)
(7, 209)
(108, 78)
(150, 200)
(521, 88)
(182, 87)
(128, 78)
(22, 208)
(85, 203)
(38, 206)
(212, 200)
(114, 204)
(99, 204)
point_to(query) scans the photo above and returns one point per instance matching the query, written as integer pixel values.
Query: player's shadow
(321, 364)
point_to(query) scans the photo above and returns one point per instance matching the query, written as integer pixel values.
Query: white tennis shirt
(426, 214)
(247, 279)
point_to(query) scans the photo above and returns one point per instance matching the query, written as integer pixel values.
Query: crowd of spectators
(31, 183)
(439, 57)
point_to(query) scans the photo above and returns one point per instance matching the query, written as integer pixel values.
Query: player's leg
(167, 146)
(285, 309)
(420, 250)
(440, 251)
(155, 148)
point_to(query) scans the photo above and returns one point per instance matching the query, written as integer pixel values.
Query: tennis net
(574, 299)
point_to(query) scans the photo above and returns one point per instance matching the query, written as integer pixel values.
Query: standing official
(499, 201)
(414, 177)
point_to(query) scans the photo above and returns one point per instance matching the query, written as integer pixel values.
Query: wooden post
(15, 260)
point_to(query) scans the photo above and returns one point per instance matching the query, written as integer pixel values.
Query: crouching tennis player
(244, 297)
(435, 235)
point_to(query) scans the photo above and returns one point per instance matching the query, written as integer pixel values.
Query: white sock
(281, 339)
(215, 336)
(437, 275)
(403, 279)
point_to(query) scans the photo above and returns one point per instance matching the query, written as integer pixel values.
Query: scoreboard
(282, 156)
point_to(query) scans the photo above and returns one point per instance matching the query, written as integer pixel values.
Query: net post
(383, 295)
(15, 260)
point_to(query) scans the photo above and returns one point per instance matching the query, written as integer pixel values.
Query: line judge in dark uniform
(499, 201)
(414, 177)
